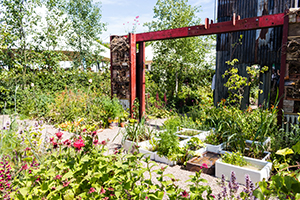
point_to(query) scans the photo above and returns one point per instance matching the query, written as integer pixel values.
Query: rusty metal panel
(261, 46)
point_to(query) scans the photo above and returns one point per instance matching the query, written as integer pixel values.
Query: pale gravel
(115, 137)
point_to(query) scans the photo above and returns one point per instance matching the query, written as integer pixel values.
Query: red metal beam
(141, 78)
(237, 24)
(285, 32)
(132, 53)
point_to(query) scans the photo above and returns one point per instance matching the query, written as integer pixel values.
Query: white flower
(90, 80)
(32, 84)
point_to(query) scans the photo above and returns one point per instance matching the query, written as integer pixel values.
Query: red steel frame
(237, 24)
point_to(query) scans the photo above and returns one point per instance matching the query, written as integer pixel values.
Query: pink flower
(78, 144)
(67, 142)
(66, 183)
(137, 17)
(59, 135)
(51, 139)
(102, 191)
(204, 165)
(134, 20)
(55, 145)
(110, 189)
(123, 23)
(58, 177)
(95, 142)
(103, 142)
(94, 133)
(24, 167)
(27, 149)
(92, 190)
(84, 130)
(184, 194)
(127, 22)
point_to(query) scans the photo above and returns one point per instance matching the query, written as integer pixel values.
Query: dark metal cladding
(260, 47)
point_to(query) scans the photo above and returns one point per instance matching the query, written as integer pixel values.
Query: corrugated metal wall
(256, 47)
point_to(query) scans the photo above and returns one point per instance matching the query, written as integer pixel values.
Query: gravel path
(115, 142)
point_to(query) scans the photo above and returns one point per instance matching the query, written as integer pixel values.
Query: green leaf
(23, 191)
(285, 151)
(296, 148)
(44, 185)
(69, 174)
(258, 194)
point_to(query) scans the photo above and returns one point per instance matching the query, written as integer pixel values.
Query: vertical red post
(283, 64)
(111, 69)
(132, 56)
(141, 78)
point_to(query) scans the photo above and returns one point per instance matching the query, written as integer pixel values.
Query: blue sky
(119, 12)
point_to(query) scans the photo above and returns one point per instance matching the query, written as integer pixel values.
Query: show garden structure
(135, 51)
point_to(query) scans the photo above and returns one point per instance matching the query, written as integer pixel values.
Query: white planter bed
(144, 146)
(128, 145)
(266, 157)
(202, 134)
(165, 160)
(255, 175)
(214, 148)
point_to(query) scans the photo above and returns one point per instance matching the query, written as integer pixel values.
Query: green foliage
(89, 173)
(234, 158)
(236, 83)
(195, 144)
(168, 145)
(84, 33)
(137, 132)
(181, 61)
(174, 123)
(286, 183)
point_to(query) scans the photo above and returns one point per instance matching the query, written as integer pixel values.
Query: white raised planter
(144, 146)
(266, 157)
(165, 160)
(255, 175)
(266, 143)
(214, 148)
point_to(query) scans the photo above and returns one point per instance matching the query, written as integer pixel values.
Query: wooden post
(132, 56)
(141, 78)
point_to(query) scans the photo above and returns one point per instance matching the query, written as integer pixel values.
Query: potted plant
(123, 118)
(256, 169)
(133, 134)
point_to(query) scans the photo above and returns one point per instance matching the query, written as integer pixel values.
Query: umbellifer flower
(90, 80)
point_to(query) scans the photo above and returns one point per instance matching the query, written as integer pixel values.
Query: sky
(118, 12)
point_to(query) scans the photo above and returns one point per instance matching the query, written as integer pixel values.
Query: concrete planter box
(214, 148)
(165, 160)
(144, 146)
(267, 154)
(255, 175)
(202, 134)
(128, 145)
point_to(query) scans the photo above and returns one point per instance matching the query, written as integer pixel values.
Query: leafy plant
(137, 132)
(195, 144)
(285, 184)
(80, 168)
(168, 145)
(234, 158)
